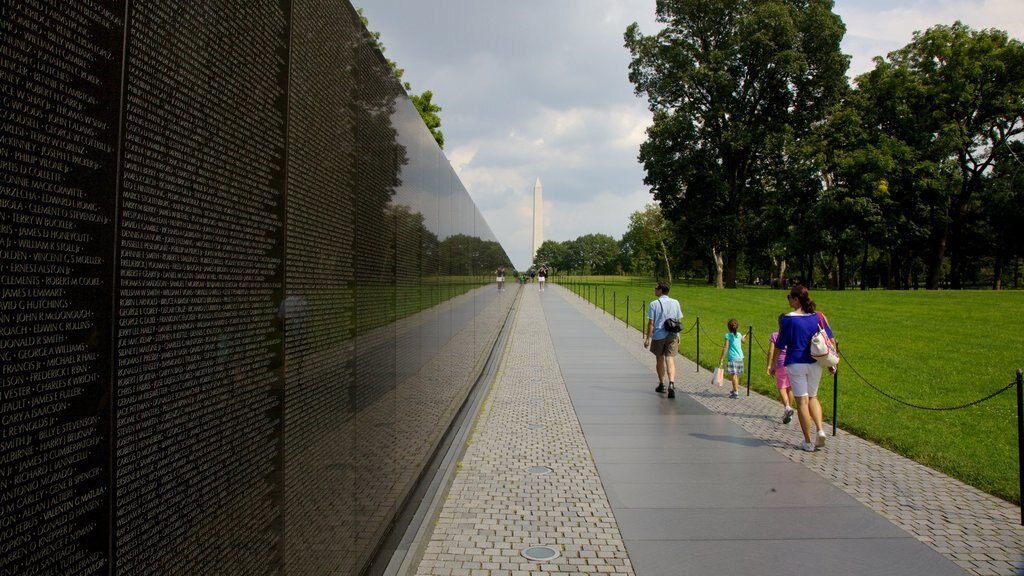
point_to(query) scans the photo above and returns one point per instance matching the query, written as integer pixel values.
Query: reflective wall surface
(244, 293)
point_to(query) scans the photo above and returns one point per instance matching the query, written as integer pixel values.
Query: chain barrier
(918, 406)
(696, 326)
(705, 332)
(761, 346)
(690, 329)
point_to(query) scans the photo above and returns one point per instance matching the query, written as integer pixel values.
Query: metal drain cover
(540, 553)
(539, 470)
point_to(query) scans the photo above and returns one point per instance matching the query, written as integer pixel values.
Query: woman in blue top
(795, 331)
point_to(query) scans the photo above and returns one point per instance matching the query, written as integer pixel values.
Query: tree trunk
(997, 269)
(664, 254)
(782, 273)
(864, 269)
(719, 264)
(840, 274)
(730, 274)
(936, 255)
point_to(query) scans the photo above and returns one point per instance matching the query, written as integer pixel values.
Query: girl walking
(732, 351)
(781, 377)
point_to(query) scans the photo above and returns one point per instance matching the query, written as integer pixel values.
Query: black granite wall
(243, 292)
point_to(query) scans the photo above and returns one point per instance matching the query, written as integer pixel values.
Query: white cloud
(877, 29)
(539, 89)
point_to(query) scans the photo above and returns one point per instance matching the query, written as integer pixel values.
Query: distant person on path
(732, 355)
(795, 331)
(781, 377)
(501, 278)
(662, 343)
(542, 277)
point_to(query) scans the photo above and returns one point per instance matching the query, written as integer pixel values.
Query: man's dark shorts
(666, 346)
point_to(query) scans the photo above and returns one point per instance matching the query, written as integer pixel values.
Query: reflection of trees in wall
(424, 103)
(378, 161)
(473, 256)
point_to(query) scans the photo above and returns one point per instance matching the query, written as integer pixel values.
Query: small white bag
(821, 347)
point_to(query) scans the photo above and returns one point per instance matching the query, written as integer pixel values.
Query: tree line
(765, 161)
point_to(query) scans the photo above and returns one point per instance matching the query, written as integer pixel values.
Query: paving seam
(495, 507)
(977, 531)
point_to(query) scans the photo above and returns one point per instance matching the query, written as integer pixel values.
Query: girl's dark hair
(734, 325)
(800, 293)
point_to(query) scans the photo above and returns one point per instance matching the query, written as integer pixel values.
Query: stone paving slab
(980, 533)
(495, 507)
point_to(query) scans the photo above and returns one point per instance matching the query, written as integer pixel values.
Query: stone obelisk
(538, 219)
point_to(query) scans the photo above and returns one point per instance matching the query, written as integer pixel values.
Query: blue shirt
(795, 331)
(735, 346)
(660, 309)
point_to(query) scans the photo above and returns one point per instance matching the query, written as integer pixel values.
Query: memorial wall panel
(244, 292)
(199, 339)
(319, 306)
(59, 84)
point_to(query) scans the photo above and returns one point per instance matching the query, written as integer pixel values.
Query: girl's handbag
(716, 378)
(821, 347)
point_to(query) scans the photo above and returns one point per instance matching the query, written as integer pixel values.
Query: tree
(1004, 211)
(593, 254)
(554, 254)
(423, 102)
(961, 101)
(428, 111)
(645, 243)
(731, 83)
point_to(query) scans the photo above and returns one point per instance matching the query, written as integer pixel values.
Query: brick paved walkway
(496, 507)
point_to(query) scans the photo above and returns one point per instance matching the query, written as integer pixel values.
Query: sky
(539, 89)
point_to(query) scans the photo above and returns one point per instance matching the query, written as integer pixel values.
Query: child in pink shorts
(781, 378)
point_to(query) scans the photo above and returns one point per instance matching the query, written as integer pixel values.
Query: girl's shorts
(781, 378)
(734, 366)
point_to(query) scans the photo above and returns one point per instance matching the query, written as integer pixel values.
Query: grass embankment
(935, 349)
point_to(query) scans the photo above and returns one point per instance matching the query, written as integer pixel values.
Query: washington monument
(538, 218)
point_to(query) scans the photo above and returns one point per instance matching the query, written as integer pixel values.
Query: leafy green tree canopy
(955, 97)
(730, 83)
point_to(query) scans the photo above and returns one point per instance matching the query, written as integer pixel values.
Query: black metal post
(615, 308)
(697, 330)
(627, 309)
(1020, 439)
(835, 396)
(604, 305)
(750, 352)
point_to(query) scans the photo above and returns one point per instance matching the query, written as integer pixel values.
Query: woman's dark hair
(663, 286)
(800, 293)
(733, 325)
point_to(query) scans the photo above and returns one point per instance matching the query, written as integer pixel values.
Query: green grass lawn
(931, 349)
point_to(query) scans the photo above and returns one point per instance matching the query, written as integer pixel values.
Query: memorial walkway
(572, 450)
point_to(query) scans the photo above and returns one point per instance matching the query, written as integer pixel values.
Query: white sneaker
(819, 440)
(807, 446)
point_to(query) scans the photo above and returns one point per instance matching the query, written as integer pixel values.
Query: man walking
(663, 343)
